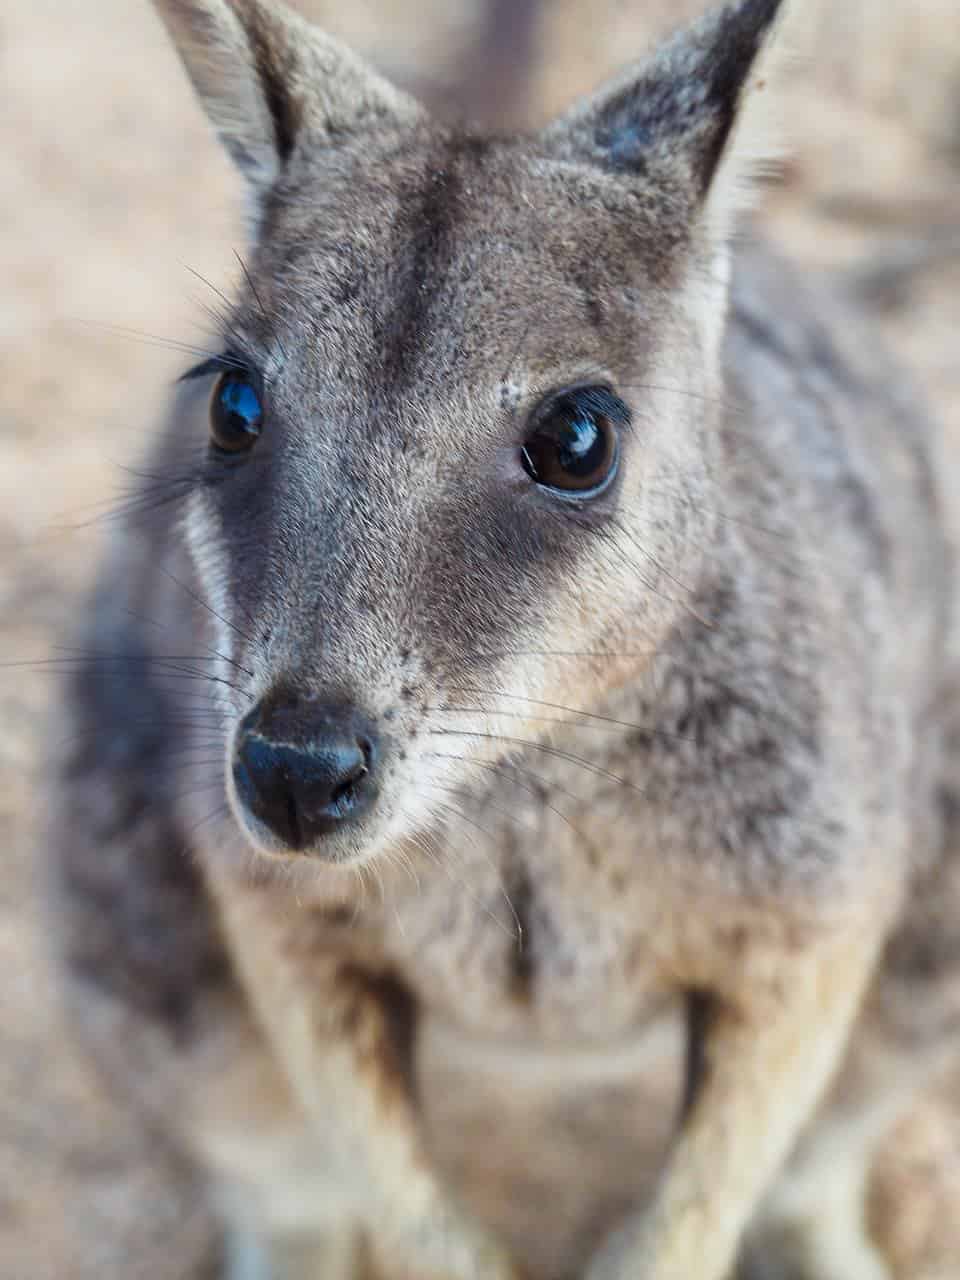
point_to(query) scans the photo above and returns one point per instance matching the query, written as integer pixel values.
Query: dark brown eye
(575, 447)
(236, 413)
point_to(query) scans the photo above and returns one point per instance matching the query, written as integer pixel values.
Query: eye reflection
(575, 447)
(236, 413)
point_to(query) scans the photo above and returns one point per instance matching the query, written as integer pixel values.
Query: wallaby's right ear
(268, 80)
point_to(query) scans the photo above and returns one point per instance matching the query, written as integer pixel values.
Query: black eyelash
(592, 398)
(216, 364)
(601, 400)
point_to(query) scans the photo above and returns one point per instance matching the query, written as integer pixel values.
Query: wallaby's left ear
(674, 119)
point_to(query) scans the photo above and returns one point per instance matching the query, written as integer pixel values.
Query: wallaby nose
(305, 769)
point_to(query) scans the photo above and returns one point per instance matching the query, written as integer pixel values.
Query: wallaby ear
(266, 78)
(676, 118)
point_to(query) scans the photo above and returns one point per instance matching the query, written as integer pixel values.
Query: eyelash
(589, 398)
(225, 363)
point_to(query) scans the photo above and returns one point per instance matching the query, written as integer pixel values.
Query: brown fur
(693, 742)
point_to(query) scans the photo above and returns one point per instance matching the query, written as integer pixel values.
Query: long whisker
(780, 534)
(221, 809)
(443, 863)
(536, 792)
(78, 659)
(558, 706)
(164, 626)
(227, 303)
(259, 302)
(511, 817)
(519, 715)
(738, 407)
(659, 565)
(547, 750)
(722, 681)
(609, 542)
(403, 859)
(204, 604)
(541, 785)
(157, 340)
(67, 666)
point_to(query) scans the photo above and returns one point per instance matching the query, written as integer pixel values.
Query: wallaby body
(682, 743)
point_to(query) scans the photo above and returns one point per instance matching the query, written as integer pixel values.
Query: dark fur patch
(421, 262)
(136, 920)
(273, 68)
(519, 890)
(700, 1011)
(742, 31)
(393, 1043)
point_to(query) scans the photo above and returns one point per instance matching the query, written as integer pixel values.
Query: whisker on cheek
(496, 712)
(603, 720)
(443, 863)
(540, 787)
(153, 339)
(539, 793)
(195, 596)
(587, 765)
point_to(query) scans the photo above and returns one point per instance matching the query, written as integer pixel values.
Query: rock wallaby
(507, 824)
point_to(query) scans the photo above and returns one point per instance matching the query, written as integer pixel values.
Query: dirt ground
(110, 189)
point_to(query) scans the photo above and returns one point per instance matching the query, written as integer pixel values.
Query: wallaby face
(464, 407)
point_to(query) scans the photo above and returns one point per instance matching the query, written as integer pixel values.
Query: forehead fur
(443, 251)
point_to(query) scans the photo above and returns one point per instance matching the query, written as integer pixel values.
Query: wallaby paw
(795, 1254)
(625, 1254)
(444, 1246)
(250, 1255)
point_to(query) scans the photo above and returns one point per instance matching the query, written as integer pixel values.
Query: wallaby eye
(236, 413)
(574, 446)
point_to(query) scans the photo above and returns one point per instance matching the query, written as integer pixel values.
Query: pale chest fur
(547, 1055)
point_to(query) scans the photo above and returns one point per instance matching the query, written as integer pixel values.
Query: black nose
(305, 769)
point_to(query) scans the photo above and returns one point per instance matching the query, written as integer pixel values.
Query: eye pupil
(577, 442)
(574, 449)
(240, 398)
(236, 413)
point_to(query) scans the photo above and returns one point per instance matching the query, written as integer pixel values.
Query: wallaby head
(463, 430)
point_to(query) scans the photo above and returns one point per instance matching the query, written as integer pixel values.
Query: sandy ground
(110, 188)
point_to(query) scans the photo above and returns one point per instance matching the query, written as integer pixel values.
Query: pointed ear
(676, 118)
(267, 78)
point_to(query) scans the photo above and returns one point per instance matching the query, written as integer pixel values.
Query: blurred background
(111, 191)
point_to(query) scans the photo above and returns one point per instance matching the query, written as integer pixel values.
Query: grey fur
(741, 665)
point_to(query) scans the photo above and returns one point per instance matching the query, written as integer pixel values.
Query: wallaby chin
(557, 616)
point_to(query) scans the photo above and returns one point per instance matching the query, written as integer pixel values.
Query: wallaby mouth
(302, 770)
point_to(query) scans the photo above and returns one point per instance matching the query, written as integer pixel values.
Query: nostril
(347, 792)
(293, 819)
